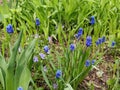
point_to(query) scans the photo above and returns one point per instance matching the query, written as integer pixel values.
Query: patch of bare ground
(98, 77)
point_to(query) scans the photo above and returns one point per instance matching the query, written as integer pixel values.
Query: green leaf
(26, 53)
(25, 78)
(23, 60)
(2, 79)
(3, 64)
(11, 65)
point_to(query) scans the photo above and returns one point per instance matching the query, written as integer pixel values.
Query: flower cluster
(100, 41)
(79, 34)
(88, 63)
(88, 41)
(9, 29)
(42, 55)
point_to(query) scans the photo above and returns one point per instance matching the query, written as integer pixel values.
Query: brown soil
(99, 82)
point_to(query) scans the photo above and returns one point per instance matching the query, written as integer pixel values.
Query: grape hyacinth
(113, 43)
(72, 47)
(19, 88)
(9, 29)
(92, 20)
(93, 62)
(88, 41)
(97, 42)
(100, 41)
(103, 39)
(46, 49)
(58, 73)
(87, 63)
(37, 21)
(80, 32)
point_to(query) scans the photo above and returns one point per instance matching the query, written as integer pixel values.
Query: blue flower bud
(9, 29)
(92, 20)
(103, 39)
(100, 40)
(46, 49)
(113, 43)
(88, 41)
(97, 42)
(37, 21)
(87, 63)
(93, 62)
(72, 47)
(80, 32)
(77, 36)
(58, 73)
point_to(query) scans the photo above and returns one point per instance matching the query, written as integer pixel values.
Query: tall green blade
(11, 65)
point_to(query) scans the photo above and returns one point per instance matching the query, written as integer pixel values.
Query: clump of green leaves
(15, 71)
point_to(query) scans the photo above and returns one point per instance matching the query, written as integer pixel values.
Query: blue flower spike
(87, 63)
(72, 47)
(88, 41)
(58, 73)
(46, 49)
(80, 31)
(79, 34)
(103, 39)
(100, 40)
(93, 62)
(9, 29)
(92, 20)
(37, 22)
(97, 42)
(113, 43)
